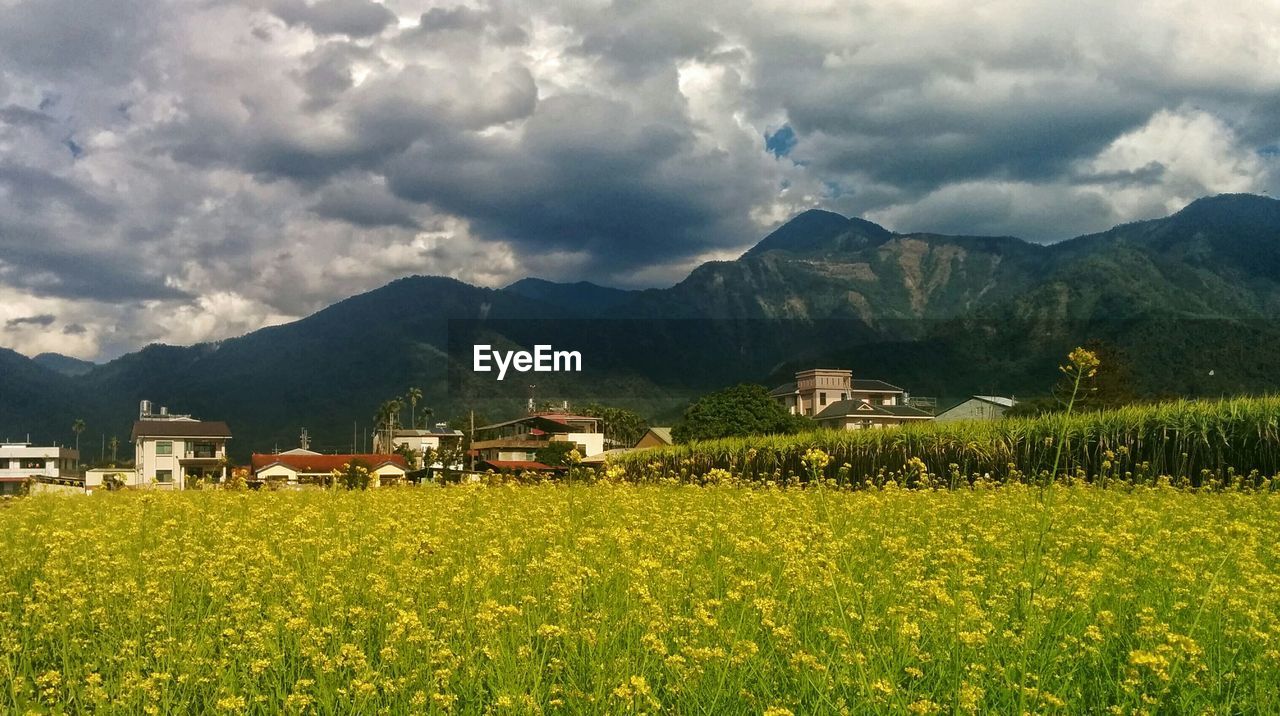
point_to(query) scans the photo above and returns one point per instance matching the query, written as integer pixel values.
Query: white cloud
(241, 162)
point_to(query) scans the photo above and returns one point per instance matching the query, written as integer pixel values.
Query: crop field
(618, 598)
(1189, 442)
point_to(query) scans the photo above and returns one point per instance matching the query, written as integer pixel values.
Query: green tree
(78, 427)
(387, 420)
(354, 475)
(740, 410)
(555, 454)
(410, 455)
(622, 427)
(413, 396)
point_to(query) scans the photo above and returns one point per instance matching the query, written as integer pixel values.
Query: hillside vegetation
(1191, 442)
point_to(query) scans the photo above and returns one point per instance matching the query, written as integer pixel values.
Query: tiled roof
(874, 385)
(323, 463)
(784, 389)
(846, 408)
(663, 434)
(180, 429)
(997, 400)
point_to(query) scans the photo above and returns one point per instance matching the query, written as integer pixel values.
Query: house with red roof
(304, 467)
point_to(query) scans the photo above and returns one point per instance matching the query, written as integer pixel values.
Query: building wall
(151, 463)
(19, 461)
(97, 477)
(593, 443)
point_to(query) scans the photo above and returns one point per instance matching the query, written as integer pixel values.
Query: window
(164, 447)
(822, 398)
(203, 450)
(32, 463)
(164, 475)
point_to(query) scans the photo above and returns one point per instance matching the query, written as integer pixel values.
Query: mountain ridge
(819, 288)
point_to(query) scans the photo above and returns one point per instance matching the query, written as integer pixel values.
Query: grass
(1192, 442)
(617, 597)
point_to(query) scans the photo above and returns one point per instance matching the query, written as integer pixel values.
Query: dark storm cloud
(23, 117)
(47, 264)
(354, 18)
(167, 154)
(586, 177)
(44, 319)
(55, 38)
(34, 190)
(364, 205)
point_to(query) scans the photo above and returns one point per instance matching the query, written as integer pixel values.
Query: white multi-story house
(172, 450)
(20, 462)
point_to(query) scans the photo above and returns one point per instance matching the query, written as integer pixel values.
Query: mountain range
(1185, 302)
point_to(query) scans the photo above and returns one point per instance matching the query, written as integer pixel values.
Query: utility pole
(471, 438)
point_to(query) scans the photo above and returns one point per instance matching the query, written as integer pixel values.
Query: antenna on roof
(532, 402)
(304, 440)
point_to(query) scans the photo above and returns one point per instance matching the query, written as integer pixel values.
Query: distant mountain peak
(818, 230)
(579, 296)
(1232, 210)
(65, 365)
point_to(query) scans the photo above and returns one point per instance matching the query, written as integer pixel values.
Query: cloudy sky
(186, 171)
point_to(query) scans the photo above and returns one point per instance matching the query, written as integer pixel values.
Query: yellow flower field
(654, 598)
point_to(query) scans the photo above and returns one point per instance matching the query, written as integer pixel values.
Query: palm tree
(78, 427)
(413, 396)
(387, 419)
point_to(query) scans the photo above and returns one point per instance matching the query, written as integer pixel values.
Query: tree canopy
(740, 410)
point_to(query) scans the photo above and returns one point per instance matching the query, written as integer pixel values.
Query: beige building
(835, 399)
(172, 450)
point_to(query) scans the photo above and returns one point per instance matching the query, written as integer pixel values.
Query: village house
(655, 437)
(170, 451)
(440, 441)
(22, 462)
(835, 399)
(301, 467)
(979, 407)
(514, 444)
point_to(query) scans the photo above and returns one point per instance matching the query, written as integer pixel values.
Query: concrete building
(443, 442)
(172, 450)
(815, 389)
(979, 407)
(514, 444)
(21, 462)
(301, 467)
(835, 399)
